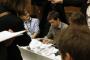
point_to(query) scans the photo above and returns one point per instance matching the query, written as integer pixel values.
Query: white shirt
(32, 25)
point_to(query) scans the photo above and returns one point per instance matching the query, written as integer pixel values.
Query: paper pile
(46, 50)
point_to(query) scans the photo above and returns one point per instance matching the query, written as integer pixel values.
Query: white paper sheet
(5, 35)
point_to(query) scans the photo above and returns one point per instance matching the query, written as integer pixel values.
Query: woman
(9, 20)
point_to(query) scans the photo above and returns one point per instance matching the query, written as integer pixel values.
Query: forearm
(49, 36)
(34, 35)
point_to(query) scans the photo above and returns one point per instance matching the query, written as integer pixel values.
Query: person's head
(25, 16)
(54, 18)
(16, 6)
(77, 18)
(75, 44)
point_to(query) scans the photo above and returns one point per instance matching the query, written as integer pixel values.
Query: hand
(56, 1)
(46, 41)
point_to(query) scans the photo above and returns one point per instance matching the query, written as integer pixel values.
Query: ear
(68, 57)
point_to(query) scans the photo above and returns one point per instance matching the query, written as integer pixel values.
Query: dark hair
(78, 18)
(17, 6)
(53, 15)
(76, 42)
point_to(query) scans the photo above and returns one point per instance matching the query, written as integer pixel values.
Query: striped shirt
(32, 25)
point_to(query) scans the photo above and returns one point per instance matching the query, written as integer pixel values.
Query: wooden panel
(70, 9)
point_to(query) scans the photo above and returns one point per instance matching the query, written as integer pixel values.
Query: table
(29, 55)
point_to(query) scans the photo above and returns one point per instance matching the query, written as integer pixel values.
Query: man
(31, 25)
(75, 44)
(56, 26)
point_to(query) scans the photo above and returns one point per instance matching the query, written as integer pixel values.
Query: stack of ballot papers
(46, 50)
(5, 35)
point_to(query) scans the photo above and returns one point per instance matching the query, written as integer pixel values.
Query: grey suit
(52, 34)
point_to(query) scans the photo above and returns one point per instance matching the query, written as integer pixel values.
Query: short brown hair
(76, 42)
(53, 15)
(78, 18)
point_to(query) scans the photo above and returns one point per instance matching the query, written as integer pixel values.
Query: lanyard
(28, 26)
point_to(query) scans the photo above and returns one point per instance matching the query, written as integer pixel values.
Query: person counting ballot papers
(54, 19)
(30, 24)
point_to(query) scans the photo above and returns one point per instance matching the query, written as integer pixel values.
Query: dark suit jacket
(11, 21)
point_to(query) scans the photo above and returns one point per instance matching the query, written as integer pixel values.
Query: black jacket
(11, 21)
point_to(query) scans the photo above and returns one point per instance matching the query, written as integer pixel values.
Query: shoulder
(11, 17)
(64, 25)
(12, 20)
(35, 19)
